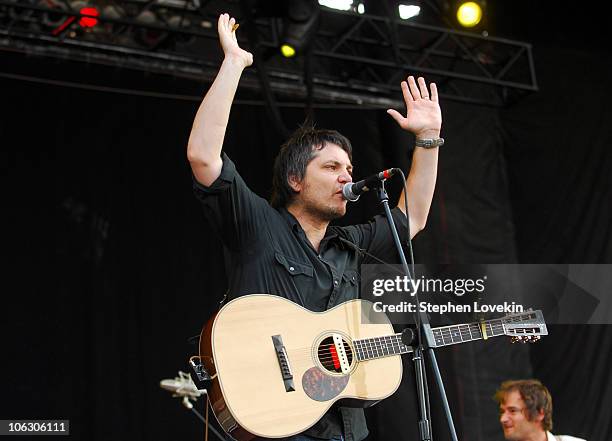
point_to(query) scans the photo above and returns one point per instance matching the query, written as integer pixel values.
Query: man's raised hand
(229, 43)
(423, 115)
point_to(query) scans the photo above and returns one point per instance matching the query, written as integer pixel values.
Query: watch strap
(429, 143)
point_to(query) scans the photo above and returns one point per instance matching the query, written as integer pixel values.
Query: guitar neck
(454, 334)
(377, 347)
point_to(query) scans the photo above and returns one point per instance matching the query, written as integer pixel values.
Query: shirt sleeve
(376, 238)
(233, 210)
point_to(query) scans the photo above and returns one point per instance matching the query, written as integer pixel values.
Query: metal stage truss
(355, 60)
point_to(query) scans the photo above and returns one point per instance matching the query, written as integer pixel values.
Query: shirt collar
(330, 233)
(291, 220)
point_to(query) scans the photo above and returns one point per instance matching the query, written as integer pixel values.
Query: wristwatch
(429, 143)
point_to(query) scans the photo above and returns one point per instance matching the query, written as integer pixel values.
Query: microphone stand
(421, 346)
(206, 425)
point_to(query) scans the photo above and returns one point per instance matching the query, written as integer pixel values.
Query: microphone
(352, 190)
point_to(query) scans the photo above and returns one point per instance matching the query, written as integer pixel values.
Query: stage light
(469, 14)
(113, 11)
(148, 37)
(299, 26)
(341, 5)
(407, 11)
(67, 22)
(146, 16)
(89, 22)
(344, 5)
(287, 51)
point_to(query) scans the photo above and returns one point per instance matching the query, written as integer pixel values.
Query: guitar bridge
(283, 362)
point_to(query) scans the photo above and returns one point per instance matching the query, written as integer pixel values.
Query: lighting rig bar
(355, 60)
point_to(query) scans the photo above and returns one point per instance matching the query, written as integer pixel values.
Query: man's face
(513, 418)
(320, 192)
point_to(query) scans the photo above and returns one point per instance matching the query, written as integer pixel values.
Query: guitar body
(277, 367)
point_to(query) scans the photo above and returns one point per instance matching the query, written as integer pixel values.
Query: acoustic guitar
(277, 367)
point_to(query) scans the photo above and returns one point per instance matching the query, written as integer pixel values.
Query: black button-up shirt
(269, 253)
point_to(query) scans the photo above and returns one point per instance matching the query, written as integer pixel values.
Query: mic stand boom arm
(421, 349)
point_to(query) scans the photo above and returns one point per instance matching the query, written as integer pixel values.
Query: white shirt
(551, 437)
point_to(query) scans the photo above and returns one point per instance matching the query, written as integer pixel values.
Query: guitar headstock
(525, 327)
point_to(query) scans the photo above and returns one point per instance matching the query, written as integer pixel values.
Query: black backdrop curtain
(111, 266)
(557, 144)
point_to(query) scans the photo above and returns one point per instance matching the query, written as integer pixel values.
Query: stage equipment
(352, 190)
(340, 5)
(469, 14)
(354, 60)
(184, 387)
(88, 16)
(299, 26)
(407, 11)
(287, 50)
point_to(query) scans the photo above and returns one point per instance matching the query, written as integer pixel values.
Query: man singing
(287, 247)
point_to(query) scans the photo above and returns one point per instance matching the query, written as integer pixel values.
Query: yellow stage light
(287, 50)
(469, 14)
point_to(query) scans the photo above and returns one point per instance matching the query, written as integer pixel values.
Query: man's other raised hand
(229, 43)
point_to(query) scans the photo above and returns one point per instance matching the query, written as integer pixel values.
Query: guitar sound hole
(328, 356)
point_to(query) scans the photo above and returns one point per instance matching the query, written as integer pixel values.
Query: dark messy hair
(534, 394)
(295, 155)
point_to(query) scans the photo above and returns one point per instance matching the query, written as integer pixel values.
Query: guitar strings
(329, 358)
(364, 343)
(376, 346)
(366, 347)
(382, 350)
(377, 350)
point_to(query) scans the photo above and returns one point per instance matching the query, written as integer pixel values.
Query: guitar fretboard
(448, 335)
(377, 347)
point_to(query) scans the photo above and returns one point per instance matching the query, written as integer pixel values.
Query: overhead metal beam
(357, 59)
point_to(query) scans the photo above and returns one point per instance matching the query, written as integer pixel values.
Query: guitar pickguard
(323, 387)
